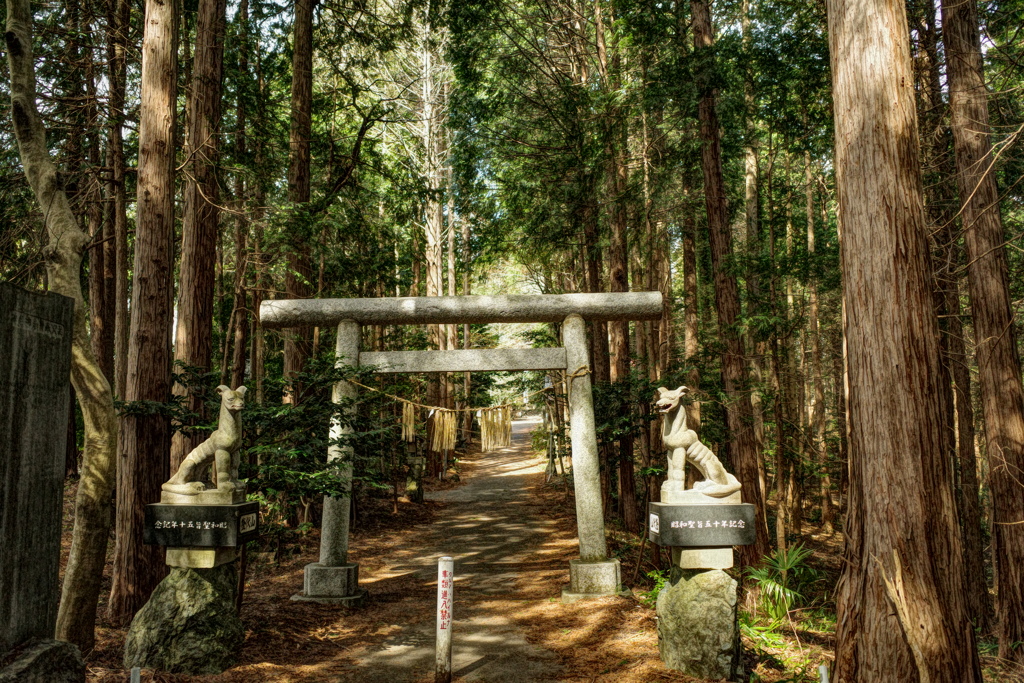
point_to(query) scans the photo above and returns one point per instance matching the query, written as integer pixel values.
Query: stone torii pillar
(334, 578)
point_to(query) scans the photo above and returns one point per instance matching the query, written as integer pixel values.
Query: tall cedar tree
(297, 343)
(739, 411)
(901, 607)
(118, 18)
(76, 617)
(941, 208)
(1002, 396)
(193, 338)
(146, 436)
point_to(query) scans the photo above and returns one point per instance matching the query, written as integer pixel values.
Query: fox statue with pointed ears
(222, 447)
(683, 445)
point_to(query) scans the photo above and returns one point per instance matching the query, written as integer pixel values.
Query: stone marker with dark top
(697, 619)
(190, 623)
(35, 368)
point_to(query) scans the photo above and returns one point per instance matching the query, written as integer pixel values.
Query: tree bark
(240, 312)
(76, 618)
(200, 226)
(942, 213)
(739, 411)
(618, 264)
(901, 609)
(101, 253)
(816, 410)
(691, 341)
(298, 275)
(999, 368)
(118, 15)
(145, 438)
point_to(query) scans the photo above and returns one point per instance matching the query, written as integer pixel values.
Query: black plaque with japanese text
(201, 526)
(700, 526)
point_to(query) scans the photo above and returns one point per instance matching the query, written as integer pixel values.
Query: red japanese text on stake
(445, 596)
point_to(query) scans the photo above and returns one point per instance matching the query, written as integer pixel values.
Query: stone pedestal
(200, 558)
(211, 496)
(332, 585)
(189, 624)
(593, 579)
(697, 625)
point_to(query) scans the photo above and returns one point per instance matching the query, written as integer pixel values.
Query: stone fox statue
(683, 445)
(222, 447)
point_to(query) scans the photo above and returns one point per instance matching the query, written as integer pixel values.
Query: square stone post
(593, 575)
(334, 579)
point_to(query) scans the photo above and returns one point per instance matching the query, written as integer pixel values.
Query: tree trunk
(298, 275)
(739, 411)
(145, 438)
(791, 377)
(76, 618)
(691, 342)
(200, 226)
(942, 214)
(751, 219)
(101, 253)
(118, 15)
(467, 267)
(432, 139)
(618, 260)
(240, 314)
(901, 520)
(999, 369)
(816, 410)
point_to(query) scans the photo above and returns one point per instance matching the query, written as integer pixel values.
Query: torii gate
(334, 579)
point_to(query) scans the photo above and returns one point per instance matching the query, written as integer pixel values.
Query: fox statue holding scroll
(222, 447)
(683, 445)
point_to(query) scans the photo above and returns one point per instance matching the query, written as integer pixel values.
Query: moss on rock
(189, 624)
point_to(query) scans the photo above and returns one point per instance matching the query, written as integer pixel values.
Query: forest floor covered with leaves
(512, 534)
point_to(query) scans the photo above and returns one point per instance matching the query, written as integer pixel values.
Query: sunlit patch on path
(501, 539)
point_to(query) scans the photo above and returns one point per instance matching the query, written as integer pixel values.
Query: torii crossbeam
(333, 578)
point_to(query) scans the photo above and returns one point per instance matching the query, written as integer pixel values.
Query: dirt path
(512, 537)
(498, 536)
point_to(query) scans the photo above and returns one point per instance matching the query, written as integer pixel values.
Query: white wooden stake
(445, 595)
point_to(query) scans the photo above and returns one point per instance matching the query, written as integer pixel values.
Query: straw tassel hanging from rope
(486, 430)
(495, 428)
(408, 422)
(506, 426)
(444, 431)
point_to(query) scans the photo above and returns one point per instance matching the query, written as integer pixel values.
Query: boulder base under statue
(189, 624)
(697, 627)
(43, 661)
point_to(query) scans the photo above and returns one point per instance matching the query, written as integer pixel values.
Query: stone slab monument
(594, 574)
(697, 619)
(35, 371)
(191, 624)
